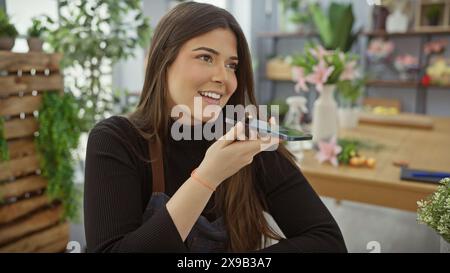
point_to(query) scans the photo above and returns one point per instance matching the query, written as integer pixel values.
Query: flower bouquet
(379, 54)
(406, 65)
(323, 69)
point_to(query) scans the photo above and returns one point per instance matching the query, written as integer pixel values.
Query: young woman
(197, 195)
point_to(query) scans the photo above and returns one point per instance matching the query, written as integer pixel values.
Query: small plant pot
(35, 44)
(7, 43)
(433, 21)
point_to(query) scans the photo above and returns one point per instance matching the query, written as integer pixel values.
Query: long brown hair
(237, 198)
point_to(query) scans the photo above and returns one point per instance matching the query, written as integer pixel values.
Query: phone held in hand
(282, 132)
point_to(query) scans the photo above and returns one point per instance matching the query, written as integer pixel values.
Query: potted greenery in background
(35, 35)
(294, 15)
(8, 32)
(349, 92)
(433, 13)
(334, 28)
(435, 212)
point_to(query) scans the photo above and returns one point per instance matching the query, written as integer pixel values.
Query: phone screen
(282, 132)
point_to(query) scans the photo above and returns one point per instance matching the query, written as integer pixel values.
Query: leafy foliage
(4, 152)
(94, 35)
(434, 211)
(59, 131)
(335, 30)
(350, 91)
(37, 28)
(6, 28)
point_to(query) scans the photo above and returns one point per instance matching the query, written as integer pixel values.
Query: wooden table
(423, 149)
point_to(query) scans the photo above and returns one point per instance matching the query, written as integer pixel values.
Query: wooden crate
(29, 222)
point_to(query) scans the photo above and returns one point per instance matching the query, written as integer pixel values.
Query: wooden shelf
(407, 34)
(403, 84)
(392, 83)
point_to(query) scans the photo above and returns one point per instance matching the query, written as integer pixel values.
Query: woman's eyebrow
(213, 51)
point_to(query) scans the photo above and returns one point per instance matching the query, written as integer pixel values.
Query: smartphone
(282, 132)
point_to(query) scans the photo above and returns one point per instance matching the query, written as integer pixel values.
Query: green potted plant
(348, 94)
(35, 35)
(433, 14)
(334, 28)
(294, 15)
(8, 32)
(434, 211)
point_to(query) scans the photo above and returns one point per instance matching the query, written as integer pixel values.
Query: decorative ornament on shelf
(397, 21)
(293, 119)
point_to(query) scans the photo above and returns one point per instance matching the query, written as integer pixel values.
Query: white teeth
(211, 95)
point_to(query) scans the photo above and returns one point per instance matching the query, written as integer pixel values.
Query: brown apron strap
(157, 166)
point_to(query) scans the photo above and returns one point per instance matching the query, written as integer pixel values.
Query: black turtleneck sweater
(118, 186)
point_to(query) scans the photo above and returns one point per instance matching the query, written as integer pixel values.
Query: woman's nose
(220, 75)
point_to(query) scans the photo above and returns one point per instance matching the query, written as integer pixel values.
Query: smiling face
(205, 68)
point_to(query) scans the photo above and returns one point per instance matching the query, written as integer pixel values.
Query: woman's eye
(206, 58)
(232, 66)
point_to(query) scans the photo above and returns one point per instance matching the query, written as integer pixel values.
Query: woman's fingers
(231, 135)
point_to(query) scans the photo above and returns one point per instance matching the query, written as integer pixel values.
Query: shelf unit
(421, 91)
(424, 36)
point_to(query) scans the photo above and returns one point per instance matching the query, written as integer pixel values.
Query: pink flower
(319, 52)
(435, 46)
(349, 72)
(406, 60)
(320, 75)
(328, 151)
(298, 74)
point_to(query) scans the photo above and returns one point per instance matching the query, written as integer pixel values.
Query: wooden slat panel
(58, 246)
(21, 147)
(42, 83)
(20, 127)
(9, 86)
(39, 61)
(15, 105)
(22, 186)
(34, 222)
(21, 208)
(19, 167)
(36, 241)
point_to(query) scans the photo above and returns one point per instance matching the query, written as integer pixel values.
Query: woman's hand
(232, 152)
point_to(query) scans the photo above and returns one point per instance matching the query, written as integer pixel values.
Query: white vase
(348, 117)
(445, 246)
(325, 115)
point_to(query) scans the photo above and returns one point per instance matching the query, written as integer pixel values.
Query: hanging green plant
(59, 131)
(4, 153)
